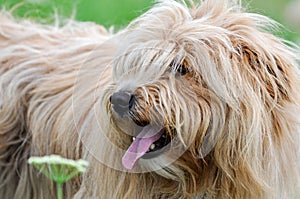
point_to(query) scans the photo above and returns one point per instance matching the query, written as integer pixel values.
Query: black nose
(122, 102)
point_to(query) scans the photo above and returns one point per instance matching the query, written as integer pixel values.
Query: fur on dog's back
(39, 66)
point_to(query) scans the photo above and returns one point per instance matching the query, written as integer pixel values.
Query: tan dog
(197, 102)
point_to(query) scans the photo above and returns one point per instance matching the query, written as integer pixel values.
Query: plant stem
(59, 190)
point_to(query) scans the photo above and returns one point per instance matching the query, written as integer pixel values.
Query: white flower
(57, 168)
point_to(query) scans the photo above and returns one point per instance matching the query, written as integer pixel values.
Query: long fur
(241, 94)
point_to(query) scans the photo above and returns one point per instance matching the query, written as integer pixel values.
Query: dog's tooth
(152, 146)
(133, 138)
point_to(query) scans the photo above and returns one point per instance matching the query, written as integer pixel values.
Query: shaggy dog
(188, 101)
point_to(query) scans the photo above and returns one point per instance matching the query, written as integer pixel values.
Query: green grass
(119, 13)
(275, 10)
(109, 13)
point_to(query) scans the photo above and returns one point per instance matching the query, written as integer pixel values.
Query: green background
(118, 13)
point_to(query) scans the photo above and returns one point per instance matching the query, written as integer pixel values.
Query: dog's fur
(241, 90)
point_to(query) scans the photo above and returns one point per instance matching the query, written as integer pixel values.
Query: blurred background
(118, 13)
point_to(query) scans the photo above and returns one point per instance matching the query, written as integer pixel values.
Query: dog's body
(224, 91)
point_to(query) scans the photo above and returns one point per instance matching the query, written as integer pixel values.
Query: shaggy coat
(224, 90)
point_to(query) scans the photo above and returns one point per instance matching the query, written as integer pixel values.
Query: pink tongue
(140, 145)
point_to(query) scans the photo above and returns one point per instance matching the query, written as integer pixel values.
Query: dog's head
(204, 88)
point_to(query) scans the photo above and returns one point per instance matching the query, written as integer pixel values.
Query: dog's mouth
(149, 143)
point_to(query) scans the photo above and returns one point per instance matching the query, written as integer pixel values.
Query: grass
(119, 13)
(105, 12)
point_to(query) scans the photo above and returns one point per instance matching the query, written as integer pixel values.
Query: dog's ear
(265, 58)
(264, 122)
(270, 71)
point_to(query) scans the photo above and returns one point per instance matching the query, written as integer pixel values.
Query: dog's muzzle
(151, 140)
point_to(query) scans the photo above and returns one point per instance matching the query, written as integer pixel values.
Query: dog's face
(157, 99)
(169, 84)
(190, 87)
(161, 102)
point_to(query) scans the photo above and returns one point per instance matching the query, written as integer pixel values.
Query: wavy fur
(241, 91)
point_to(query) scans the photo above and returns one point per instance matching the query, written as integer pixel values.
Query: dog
(190, 100)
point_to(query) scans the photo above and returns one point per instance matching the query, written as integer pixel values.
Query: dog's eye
(180, 69)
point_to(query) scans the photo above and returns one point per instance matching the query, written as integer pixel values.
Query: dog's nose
(122, 102)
